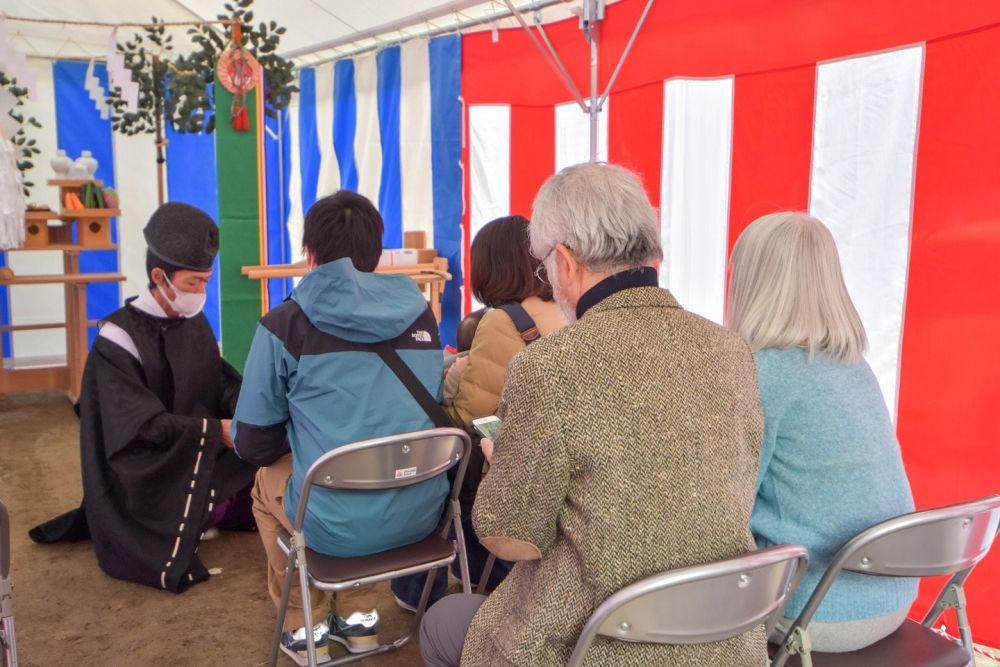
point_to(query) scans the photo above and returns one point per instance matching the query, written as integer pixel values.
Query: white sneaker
(358, 632)
(295, 642)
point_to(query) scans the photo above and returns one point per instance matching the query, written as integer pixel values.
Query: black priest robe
(152, 456)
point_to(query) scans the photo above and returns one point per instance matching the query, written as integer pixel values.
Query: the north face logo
(421, 336)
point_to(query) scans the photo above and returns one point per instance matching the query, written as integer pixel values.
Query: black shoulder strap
(413, 385)
(522, 320)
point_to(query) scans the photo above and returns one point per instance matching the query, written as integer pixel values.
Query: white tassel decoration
(11, 197)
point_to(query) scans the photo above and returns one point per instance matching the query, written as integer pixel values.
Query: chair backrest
(4, 542)
(929, 543)
(701, 603)
(939, 541)
(389, 462)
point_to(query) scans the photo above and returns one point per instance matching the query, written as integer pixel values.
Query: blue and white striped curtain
(388, 126)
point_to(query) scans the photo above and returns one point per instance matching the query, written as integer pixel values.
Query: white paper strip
(119, 76)
(95, 91)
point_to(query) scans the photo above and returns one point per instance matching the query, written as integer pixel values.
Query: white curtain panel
(293, 197)
(489, 182)
(367, 138)
(329, 170)
(39, 304)
(416, 172)
(135, 173)
(694, 192)
(573, 135)
(864, 151)
(489, 159)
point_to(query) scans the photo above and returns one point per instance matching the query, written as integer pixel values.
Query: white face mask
(185, 304)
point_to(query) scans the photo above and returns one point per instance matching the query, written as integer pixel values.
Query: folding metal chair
(935, 542)
(8, 644)
(373, 465)
(700, 604)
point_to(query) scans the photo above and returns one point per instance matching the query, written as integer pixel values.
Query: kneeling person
(154, 413)
(314, 383)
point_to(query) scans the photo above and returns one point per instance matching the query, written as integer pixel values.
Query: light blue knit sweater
(830, 467)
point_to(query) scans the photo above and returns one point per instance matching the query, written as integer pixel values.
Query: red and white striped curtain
(881, 118)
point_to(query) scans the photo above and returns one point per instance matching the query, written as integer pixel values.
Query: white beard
(568, 310)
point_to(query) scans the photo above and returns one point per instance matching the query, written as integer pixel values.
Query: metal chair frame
(622, 616)
(892, 549)
(346, 468)
(8, 642)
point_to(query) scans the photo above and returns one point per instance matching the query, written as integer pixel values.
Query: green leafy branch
(178, 92)
(27, 147)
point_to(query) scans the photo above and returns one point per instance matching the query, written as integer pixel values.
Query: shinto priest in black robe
(154, 463)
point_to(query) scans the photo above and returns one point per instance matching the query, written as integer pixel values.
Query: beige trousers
(268, 509)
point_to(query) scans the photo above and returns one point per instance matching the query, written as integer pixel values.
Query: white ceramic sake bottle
(61, 164)
(88, 162)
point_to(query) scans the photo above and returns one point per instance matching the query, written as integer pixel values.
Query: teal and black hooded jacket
(314, 382)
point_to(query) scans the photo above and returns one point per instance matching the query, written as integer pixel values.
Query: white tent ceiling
(317, 29)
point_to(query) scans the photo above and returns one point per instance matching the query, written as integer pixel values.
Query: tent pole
(551, 58)
(595, 109)
(592, 13)
(628, 48)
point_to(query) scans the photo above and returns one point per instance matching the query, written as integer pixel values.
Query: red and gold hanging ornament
(238, 72)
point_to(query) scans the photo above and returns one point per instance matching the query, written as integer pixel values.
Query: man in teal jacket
(314, 382)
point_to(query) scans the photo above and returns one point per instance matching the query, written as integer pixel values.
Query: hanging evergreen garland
(26, 147)
(177, 92)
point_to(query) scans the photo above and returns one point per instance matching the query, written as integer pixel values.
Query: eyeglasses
(540, 273)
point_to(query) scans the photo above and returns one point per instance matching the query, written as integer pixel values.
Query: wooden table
(68, 377)
(430, 275)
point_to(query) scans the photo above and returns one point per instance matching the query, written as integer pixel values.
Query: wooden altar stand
(430, 273)
(68, 377)
(52, 230)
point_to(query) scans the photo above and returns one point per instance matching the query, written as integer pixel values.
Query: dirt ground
(68, 612)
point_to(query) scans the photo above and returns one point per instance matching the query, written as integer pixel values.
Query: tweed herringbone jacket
(629, 446)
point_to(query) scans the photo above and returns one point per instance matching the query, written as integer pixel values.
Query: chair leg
(797, 642)
(425, 596)
(953, 596)
(8, 643)
(307, 615)
(964, 630)
(286, 590)
(484, 580)
(463, 558)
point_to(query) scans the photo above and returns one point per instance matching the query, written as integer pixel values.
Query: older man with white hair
(629, 446)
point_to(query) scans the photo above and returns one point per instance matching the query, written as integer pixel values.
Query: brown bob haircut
(503, 269)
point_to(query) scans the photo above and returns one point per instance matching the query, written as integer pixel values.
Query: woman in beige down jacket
(503, 271)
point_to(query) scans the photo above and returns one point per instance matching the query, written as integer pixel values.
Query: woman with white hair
(830, 463)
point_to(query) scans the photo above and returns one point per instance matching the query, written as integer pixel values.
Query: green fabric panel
(239, 227)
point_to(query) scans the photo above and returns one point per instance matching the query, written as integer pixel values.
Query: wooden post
(160, 143)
